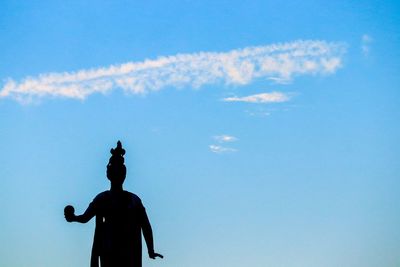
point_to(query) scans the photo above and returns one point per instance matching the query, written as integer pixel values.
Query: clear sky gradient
(284, 158)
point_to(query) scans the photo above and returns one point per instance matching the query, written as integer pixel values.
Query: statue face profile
(116, 174)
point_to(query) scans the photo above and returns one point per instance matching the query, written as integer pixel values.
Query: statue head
(116, 170)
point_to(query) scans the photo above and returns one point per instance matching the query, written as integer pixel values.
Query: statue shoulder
(102, 195)
(134, 197)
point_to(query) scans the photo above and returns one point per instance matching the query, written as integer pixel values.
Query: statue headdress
(116, 166)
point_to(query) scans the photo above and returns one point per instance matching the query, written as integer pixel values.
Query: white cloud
(220, 149)
(366, 41)
(274, 97)
(225, 138)
(277, 62)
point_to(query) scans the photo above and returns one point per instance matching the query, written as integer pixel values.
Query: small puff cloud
(278, 62)
(220, 149)
(225, 138)
(366, 41)
(274, 97)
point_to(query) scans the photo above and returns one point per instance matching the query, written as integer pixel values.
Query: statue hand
(154, 255)
(69, 213)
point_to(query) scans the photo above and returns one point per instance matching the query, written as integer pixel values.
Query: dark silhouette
(120, 220)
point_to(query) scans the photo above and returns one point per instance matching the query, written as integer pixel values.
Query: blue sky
(258, 133)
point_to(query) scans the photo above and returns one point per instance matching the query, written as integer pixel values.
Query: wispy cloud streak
(274, 97)
(277, 62)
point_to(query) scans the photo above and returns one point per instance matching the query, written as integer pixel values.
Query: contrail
(276, 62)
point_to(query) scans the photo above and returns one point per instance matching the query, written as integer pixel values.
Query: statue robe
(120, 221)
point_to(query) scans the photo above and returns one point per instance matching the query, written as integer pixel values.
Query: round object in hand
(69, 210)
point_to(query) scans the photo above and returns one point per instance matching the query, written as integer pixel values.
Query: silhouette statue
(120, 220)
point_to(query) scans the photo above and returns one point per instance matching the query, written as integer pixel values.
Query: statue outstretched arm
(69, 213)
